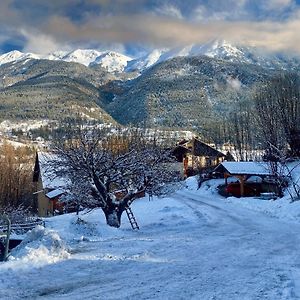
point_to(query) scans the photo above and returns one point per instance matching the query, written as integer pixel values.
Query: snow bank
(280, 208)
(73, 228)
(192, 183)
(40, 246)
(207, 187)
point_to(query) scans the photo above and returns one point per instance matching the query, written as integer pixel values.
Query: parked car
(250, 189)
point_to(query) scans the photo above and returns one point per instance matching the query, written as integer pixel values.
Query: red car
(250, 189)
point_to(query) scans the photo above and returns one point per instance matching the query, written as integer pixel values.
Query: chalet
(196, 155)
(48, 189)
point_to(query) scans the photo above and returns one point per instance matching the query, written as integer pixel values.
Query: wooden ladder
(132, 219)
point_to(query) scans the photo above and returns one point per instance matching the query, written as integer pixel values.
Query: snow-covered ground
(7, 126)
(193, 244)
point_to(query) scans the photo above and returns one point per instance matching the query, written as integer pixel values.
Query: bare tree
(277, 104)
(283, 171)
(237, 125)
(97, 164)
(15, 176)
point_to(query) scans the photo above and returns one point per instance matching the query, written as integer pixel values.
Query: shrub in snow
(18, 214)
(83, 227)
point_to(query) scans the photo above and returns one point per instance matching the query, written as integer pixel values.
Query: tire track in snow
(286, 282)
(213, 214)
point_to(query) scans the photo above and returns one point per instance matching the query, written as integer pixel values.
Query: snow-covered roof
(246, 168)
(49, 180)
(55, 193)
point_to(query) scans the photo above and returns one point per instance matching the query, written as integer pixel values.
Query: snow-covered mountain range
(165, 88)
(219, 49)
(117, 62)
(215, 49)
(112, 61)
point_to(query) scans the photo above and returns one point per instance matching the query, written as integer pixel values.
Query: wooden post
(242, 184)
(226, 178)
(242, 187)
(185, 166)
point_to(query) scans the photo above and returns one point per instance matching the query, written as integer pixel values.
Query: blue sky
(133, 26)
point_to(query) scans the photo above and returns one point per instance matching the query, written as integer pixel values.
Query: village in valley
(150, 150)
(109, 203)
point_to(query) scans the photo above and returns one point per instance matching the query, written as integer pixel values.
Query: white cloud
(278, 4)
(118, 47)
(167, 32)
(40, 43)
(234, 83)
(220, 10)
(169, 11)
(165, 26)
(200, 13)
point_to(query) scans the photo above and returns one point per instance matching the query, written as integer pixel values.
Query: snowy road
(259, 256)
(191, 246)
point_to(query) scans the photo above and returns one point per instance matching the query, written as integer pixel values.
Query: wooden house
(48, 189)
(197, 155)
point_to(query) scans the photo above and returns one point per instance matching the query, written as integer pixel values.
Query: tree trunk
(113, 215)
(113, 211)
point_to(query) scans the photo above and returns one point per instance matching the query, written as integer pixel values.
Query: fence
(24, 226)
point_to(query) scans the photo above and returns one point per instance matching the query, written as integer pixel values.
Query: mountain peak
(83, 56)
(112, 61)
(217, 49)
(15, 55)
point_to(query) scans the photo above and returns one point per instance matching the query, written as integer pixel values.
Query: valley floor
(193, 245)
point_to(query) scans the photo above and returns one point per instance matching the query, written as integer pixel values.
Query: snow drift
(41, 246)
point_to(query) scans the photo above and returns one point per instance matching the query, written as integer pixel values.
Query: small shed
(243, 170)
